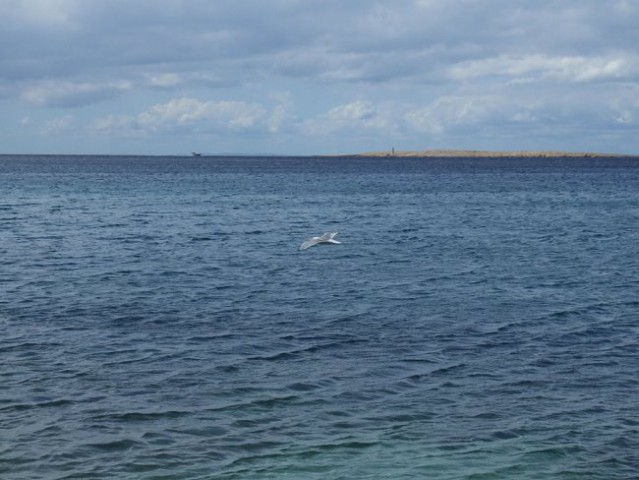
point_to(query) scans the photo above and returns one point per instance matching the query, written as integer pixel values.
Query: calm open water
(479, 321)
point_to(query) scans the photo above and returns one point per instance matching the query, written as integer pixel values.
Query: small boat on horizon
(196, 154)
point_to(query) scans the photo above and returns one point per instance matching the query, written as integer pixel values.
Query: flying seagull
(326, 238)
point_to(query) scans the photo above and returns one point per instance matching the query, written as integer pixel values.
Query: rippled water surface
(480, 319)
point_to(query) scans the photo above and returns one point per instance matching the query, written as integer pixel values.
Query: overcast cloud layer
(317, 76)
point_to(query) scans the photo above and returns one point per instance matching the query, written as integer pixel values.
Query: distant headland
(484, 154)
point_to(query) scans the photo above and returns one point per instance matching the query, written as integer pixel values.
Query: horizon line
(392, 153)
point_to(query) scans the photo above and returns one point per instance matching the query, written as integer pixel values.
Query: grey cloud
(369, 67)
(338, 41)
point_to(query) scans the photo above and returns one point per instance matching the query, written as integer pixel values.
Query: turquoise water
(480, 319)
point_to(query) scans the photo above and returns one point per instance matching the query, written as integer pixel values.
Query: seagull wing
(327, 237)
(309, 243)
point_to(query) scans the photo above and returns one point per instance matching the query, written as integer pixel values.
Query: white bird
(326, 238)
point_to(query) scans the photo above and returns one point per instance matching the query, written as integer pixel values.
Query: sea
(479, 320)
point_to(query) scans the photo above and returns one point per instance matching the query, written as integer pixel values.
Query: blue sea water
(480, 319)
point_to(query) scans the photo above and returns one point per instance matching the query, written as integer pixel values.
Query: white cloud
(358, 111)
(360, 119)
(71, 94)
(164, 79)
(358, 115)
(540, 67)
(58, 126)
(277, 119)
(117, 125)
(188, 115)
(189, 111)
(449, 112)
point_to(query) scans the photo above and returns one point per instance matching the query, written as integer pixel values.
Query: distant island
(484, 154)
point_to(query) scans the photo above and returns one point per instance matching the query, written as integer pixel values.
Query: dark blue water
(479, 321)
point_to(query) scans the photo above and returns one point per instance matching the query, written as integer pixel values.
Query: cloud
(123, 126)
(39, 13)
(164, 80)
(472, 120)
(189, 111)
(358, 111)
(361, 69)
(541, 67)
(277, 119)
(444, 114)
(71, 94)
(362, 117)
(511, 109)
(455, 112)
(335, 42)
(58, 126)
(189, 115)
(523, 116)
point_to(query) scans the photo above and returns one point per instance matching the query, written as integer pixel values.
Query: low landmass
(484, 154)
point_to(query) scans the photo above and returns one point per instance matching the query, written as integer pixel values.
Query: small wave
(116, 445)
(487, 416)
(550, 454)
(276, 356)
(133, 417)
(508, 434)
(302, 386)
(448, 369)
(58, 403)
(272, 402)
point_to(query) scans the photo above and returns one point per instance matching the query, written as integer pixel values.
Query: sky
(304, 77)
